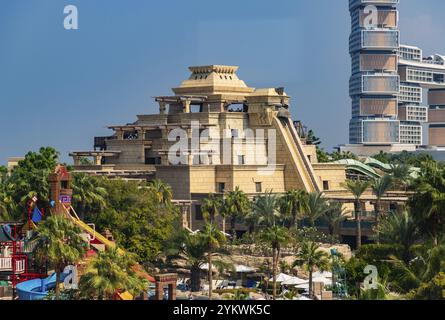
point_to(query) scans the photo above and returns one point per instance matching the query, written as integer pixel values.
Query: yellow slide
(71, 213)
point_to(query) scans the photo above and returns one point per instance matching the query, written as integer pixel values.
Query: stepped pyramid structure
(234, 136)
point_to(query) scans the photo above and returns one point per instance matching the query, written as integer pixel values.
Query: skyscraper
(387, 82)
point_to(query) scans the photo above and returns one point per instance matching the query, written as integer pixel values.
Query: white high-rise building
(387, 83)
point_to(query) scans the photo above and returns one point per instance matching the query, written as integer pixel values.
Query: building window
(221, 187)
(198, 213)
(153, 161)
(325, 185)
(235, 133)
(258, 187)
(241, 160)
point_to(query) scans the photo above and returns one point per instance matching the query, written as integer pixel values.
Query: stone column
(172, 291)
(77, 160)
(159, 291)
(141, 134)
(162, 107)
(98, 160)
(120, 134)
(186, 106)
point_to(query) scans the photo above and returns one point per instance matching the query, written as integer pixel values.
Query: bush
(433, 290)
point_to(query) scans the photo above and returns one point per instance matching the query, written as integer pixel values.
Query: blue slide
(37, 289)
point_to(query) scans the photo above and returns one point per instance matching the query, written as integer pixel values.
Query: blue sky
(61, 88)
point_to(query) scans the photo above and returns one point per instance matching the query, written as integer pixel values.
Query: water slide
(37, 289)
(295, 148)
(360, 167)
(71, 213)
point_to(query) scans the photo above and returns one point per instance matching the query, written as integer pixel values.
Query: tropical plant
(88, 195)
(334, 216)
(8, 207)
(380, 187)
(309, 256)
(213, 240)
(432, 290)
(428, 203)
(401, 174)
(292, 206)
(265, 210)
(162, 192)
(275, 237)
(315, 208)
(399, 229)
(110, 272)
(236, 205)
(60, 245)
(30, 176)
(357, 188)
(211, 208)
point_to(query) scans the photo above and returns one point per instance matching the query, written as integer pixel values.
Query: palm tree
(109, 272)
(401, 174)
(88, 195)
(8, 207)
(60, 245)
(211, 208)
(265, 209)
(236, 205)
(163, 193)
(428, 204)
(334, 217)
(310, 257)
(316, 207)
(212, 239)
(293, 204)
(380, 187)
(399, 229)
(275, 237)
(357, 188)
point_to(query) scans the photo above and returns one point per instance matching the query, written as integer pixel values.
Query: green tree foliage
(60, 245)
(310, 257)
(405, 157)
(236, 206)
(88, 196)
(275, 237)
(30, 177)
(212, 239)
(139, 218)
(292, 207)
(357, 188)
(432, 290)
(334, 216)
(109, 272)
(212, 207)
(428, 203)
(316, 207)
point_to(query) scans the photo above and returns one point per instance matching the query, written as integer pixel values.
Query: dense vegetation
(409, 251)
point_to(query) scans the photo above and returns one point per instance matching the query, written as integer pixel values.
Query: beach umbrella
(324, 280)
(295, 281)
(283, 277)
(324, 274)
(244, 269)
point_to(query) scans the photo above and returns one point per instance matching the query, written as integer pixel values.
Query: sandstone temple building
(246, 139)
